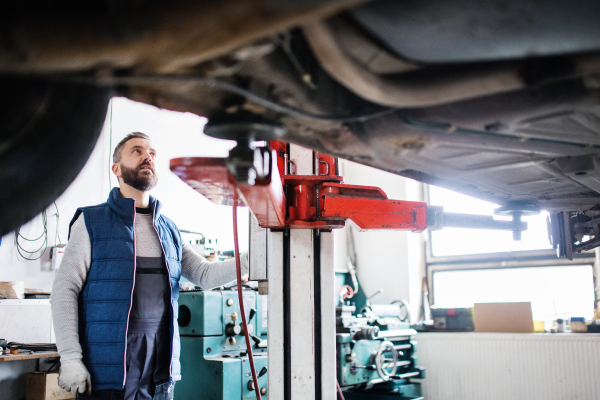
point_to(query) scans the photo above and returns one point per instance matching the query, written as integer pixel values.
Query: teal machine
(214, 362)
(376, 350)
(376, 354)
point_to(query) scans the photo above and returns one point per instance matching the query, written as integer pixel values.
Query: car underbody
(498, 100)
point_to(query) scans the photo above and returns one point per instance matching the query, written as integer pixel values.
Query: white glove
(74, 377)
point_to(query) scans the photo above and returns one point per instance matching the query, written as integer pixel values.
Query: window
(467, 266)
(562, 291)
(458, 241)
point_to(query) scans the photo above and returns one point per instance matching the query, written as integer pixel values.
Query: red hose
(241, 298)
(339, 389)
(349, 292)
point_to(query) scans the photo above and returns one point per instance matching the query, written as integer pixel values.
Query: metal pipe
(473, 221)
(390, 92)
(393, 93)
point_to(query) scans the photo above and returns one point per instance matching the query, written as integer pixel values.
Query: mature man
(114, 300)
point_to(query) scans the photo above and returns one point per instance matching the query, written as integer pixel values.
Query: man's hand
(74, 377)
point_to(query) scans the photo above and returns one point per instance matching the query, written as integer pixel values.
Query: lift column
(301, 306)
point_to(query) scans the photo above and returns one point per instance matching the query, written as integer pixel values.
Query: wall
(180, 135)
(388, 260)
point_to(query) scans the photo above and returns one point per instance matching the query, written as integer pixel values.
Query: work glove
(74, 377)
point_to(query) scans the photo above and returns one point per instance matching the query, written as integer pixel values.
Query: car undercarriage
(497, 100)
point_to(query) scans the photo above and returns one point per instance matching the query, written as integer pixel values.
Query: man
(114, 300)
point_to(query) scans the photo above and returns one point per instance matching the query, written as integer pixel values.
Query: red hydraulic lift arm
(284, 200)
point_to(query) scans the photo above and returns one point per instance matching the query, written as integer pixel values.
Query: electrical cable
(229, 87)
(21, 250)
(42, 234)
(57, 233)
(241, 299)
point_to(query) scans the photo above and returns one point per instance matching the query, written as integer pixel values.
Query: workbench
(20, 357)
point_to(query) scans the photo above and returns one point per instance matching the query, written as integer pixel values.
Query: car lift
(297, 199)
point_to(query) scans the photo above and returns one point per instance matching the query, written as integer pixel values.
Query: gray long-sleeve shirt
(76, 263)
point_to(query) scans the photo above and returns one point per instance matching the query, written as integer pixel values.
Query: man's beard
(142, 182)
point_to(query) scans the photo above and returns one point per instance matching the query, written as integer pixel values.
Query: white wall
(180, 135)
(386, 259)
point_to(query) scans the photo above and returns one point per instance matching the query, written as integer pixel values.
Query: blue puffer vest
(105, 301)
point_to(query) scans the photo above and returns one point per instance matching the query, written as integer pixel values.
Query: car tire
(48, 129)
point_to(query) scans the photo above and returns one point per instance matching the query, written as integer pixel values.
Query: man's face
(136, 167)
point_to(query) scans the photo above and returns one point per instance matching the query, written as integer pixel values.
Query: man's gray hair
(132, 135)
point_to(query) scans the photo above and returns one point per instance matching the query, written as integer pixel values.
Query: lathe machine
(376, 354)
(375, 350)
(214, 362)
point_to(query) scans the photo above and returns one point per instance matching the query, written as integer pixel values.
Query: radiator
(490, 366)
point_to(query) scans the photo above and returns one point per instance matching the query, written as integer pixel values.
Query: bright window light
(459, 241)
(554, 292)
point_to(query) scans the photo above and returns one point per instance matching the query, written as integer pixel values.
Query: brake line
(241, 299)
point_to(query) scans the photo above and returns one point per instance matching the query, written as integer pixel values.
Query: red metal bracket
(369, 209)
(319, 201)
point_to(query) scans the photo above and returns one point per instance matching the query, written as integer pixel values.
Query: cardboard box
(44, 386)
(503, 317)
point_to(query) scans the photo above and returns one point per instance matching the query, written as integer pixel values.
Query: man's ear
(116, 169)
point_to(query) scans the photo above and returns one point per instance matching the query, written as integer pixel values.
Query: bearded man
(114, 299)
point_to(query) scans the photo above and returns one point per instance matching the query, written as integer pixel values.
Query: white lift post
(298, 269)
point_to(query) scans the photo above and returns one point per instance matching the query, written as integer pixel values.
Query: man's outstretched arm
(68, 283)
(208, 274)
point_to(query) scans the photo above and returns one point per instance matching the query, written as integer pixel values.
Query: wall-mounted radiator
(515, 366)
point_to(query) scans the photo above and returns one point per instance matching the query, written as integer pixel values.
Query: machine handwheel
(404, 310)
(383, 364)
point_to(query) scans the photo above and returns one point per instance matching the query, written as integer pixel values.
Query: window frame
(536, 260)
(499, 260)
